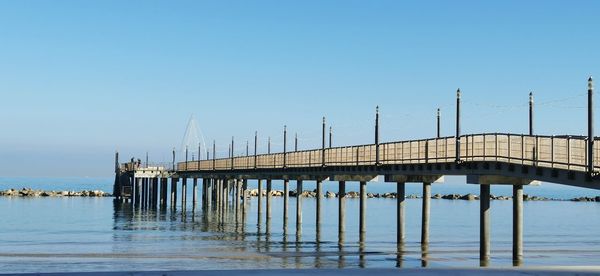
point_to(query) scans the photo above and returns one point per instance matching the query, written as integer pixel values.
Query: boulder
(352, 194)
(583, 199)
(451, 196)
(309, 194)
(389, 195)
(469, 197)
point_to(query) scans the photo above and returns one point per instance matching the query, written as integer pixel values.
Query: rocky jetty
(468, 197)
(27, 192)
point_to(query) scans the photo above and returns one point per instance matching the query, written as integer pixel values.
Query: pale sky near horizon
(81, 79)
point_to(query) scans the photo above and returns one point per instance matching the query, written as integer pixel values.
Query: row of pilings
(220, 194)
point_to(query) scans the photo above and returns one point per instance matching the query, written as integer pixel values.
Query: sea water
(59, 234)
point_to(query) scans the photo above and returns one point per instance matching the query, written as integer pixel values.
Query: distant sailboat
(193, 140)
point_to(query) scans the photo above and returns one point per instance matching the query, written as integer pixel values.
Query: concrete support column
(400, 197)
(155, 193)
(138, 192)
(425, 211)
(286, 193)
(220, 185)
(341, 211)
(484, 224)
(225, 195)
(363, 211)
(195, 193)
(183, 192)
(298, 207)
(215, 193)
(160, 192)
(259, 201)
(269, 198)
(517, 251)
(173, 192)
(212, 202)
(269, 207)
(149, 192)
(163, 191)
(207, 193)
(204, 193)
(144, 192)
(220, 194)
(319, 198)
(238, 195)
(244, 198)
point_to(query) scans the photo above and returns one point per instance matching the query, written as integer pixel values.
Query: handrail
(568, 151)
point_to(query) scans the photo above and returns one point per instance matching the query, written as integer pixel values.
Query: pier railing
(566, 152)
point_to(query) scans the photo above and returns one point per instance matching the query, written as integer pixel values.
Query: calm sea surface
(95, 234)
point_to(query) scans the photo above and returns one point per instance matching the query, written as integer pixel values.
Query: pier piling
(286, 192)
(400, 198)
(269, 198)
(238, 195)
(144, 188)
(138, 192)
(163, 192)
(425, 212)
(341, 211)
(299, 207)
(484, 224)
(173, 192)
(517, 250)
(259, 207)
(319, 200)
(363, 211)
(195, 193)
(155, 192)
(183, 192)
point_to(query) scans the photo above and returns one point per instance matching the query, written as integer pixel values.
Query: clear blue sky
(79, 79)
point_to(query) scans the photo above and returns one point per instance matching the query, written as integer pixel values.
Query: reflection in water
(399, 254)
(424, 255)
(518, 262)
(361, 255)
(229, 226)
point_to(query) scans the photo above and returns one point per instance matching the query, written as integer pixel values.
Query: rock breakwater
(27, 192)
(353, 194)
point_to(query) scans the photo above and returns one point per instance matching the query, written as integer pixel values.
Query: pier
(484, 158)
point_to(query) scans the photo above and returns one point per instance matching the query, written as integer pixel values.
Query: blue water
(95, 234)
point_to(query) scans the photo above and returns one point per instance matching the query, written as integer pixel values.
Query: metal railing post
(457, 145)
(590, 141)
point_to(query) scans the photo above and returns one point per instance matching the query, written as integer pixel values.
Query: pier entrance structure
(485, 159)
